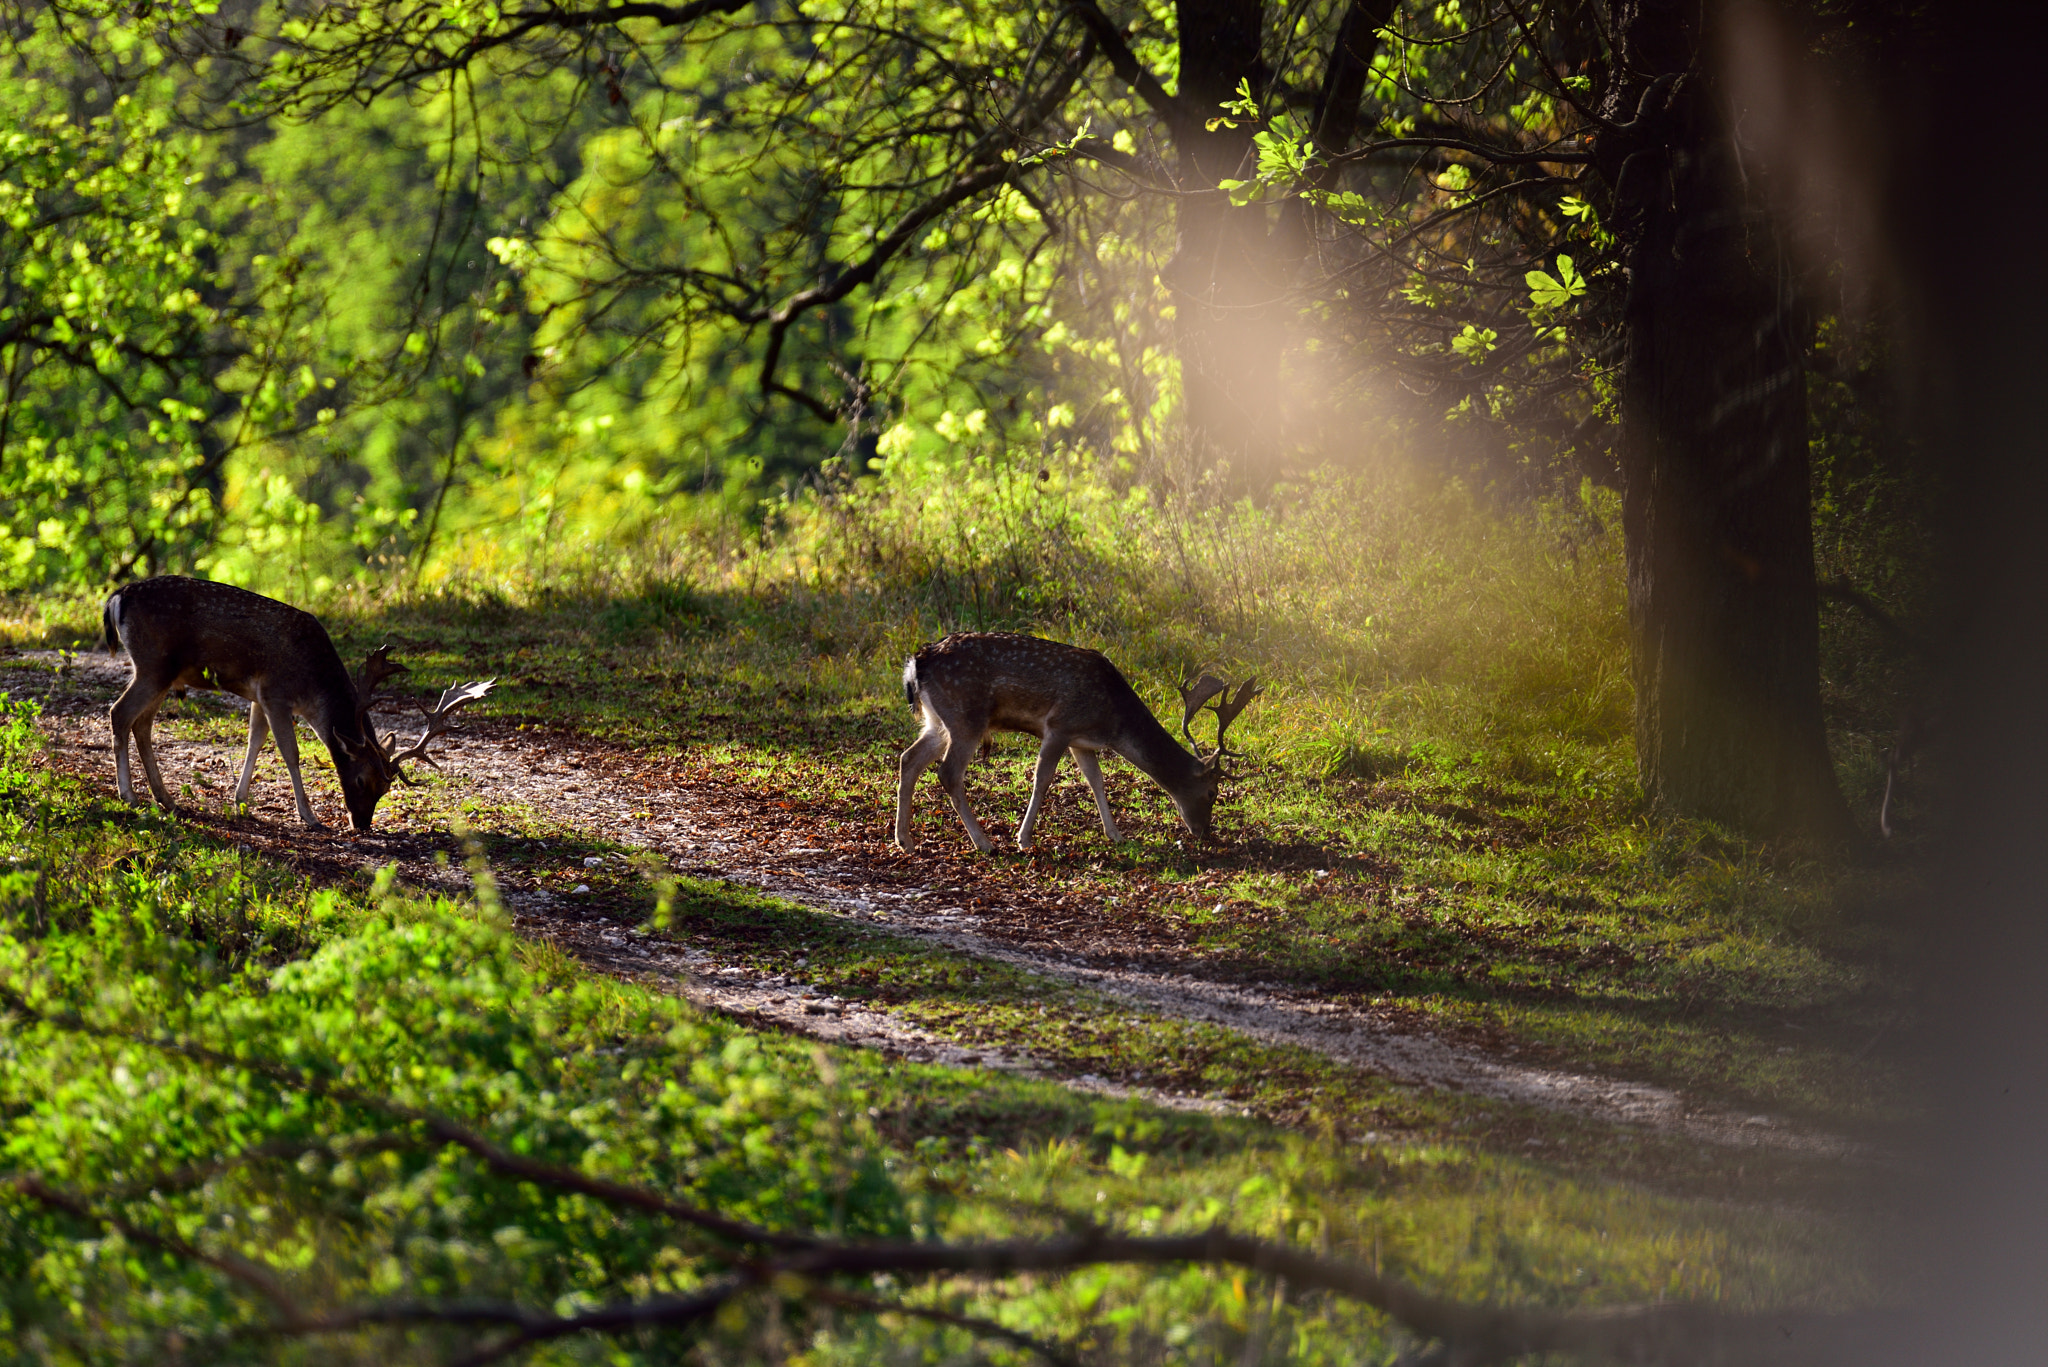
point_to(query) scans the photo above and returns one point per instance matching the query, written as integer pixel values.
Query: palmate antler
(440, 721)
(1196, 696)
(1226, 712)
(377, 667)
(1193, 695)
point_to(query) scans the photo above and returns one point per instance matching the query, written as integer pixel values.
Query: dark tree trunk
(1713, 448)
(1229, 346)
(1231, 277)
(1338, 101)
(1974, 300)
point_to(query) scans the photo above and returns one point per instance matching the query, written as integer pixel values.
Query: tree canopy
(487, 274)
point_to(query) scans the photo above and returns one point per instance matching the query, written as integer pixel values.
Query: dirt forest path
(713, 828)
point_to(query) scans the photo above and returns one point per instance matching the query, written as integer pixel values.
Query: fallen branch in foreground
(805, 1266)
(1474, 1334)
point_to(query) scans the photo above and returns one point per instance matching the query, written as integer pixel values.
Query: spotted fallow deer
(181, 633)
(974, 683)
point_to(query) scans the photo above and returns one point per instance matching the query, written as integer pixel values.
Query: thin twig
(251, 1275)
(513, 1165)
(847, 1300)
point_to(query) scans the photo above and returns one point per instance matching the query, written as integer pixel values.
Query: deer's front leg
(1091, 769)
(288, 746)
(1049, 752)
(259, 728)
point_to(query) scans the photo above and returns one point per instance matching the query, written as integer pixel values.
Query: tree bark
(1229, 346)
(1723, 605)
(1231, 276)
(1973, 298)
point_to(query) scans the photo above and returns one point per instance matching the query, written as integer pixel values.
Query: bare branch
(1477, 1335)
(1840, 590)
(515, 1165)
(965, 186)
(256, 1278)
(1499, 156)
(1480, 1334)
(846, 1300)
(419, 65)
(1474, 202)
(1130, 70)
(529, 1326)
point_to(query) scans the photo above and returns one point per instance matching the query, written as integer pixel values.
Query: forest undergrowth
(1447, 705)
(233, 1100)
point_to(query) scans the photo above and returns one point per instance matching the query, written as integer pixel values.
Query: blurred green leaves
(218, 1129)
(114, 354)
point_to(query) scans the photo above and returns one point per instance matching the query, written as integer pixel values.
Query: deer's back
(192, 631)
(1025, 683)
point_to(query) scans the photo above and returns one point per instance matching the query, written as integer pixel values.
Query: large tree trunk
(1974, 293)
(1231, 276)
(1225, 329)
(1713, 446)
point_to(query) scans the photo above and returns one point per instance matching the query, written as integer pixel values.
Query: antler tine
(1228, 707)
(377, 667)
(1193, 696)
(440, 721)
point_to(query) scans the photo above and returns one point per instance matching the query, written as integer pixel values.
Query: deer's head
(1208, 693)
(369, 763)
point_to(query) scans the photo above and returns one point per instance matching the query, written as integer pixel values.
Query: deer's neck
(1153, 750)
(331, 712)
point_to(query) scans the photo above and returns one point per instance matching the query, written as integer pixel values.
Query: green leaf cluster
(114, 350)
(193, 1141)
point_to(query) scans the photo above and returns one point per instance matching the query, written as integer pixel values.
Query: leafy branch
(809, 1267)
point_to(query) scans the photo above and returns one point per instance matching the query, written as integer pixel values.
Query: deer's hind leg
(961, 743)
(954, 777)
(1049, 751)
(134, 712)
(929, 745)
(145, 746)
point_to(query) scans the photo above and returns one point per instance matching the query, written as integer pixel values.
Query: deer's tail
(108, 626)
(910, 682)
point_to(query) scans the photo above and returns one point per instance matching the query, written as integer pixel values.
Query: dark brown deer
(181, 633)
(974, 683)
